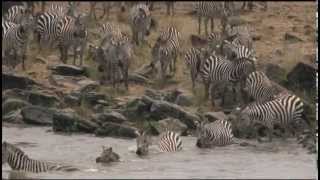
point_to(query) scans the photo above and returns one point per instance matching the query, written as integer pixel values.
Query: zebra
(15, 40)
(19, 160)
(17, 14)
(239, 34)
(285, 110)
(166, 50)
(168, 141)
(107, 155)
(193, 60)
(57, 9)
(218, 69)
(211, 10)
(236, 51)
(140, 22)
(115, 54)
(217, 133)
(259, 87)
(73, 33)
(249, 4)
(170, 8)
(48, 29)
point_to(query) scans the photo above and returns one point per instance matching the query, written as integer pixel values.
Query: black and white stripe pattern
(170, 142)
(16, 14)
(57, 9)
(73, 33)
(14, 40)
(236, 51)
(20, 161)
(217, 133)
(166, 50)
(259, 87)
(217, 69)
(239, 34)
(48, 29)
(140, 22)
(193, 62)
(210, 10)
(284, 110)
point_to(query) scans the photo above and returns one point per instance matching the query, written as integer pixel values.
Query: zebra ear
(142, 13)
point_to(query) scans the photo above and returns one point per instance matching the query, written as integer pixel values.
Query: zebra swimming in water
(19, 160)
(168, 142)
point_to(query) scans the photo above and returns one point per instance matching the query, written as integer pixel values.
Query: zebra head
(107, 156)
(144, 19)
(143, 142)
(203, 139)
(9, 149)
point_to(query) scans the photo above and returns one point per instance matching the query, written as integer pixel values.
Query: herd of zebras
(228, 57)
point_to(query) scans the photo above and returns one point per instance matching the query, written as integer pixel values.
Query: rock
(303, 76)
(136, 109)
(37, 115)
(68, 121)
(227, 94)
(11, 80)
(116, 130)
(275, 73)
(145, 71)
(78, 83)
(13, 117)
(292, 38)
(42, 98)
(112, 116)
(184, 99)
(71, 100)
(11, 105)
(15, 94)
(163, 109)
(138, 78)
(212, 116)
(171, 124)
(92, 98)
(67, 70)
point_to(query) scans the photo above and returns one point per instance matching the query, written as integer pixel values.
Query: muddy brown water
(279, 159)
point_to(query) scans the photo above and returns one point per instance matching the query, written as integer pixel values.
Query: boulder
(291, 38)
(171, 124)
(11, 80)
(212, 116)
(13, 117)
(92, 98)
(11, 105)
(162, 109)
(184, 99)
(71, 100)
(67, 70)
(42, 98)
(116, 130)
(138, 78)
(15, 94)
(136, 109)
(37, 115)
(77, 83)
(275, 73)
(112, 116)
(303, 76)
(69, 121)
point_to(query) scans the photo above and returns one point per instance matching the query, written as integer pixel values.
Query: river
(278, 159)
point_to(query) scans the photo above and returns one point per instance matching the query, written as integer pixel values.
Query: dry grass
(271, 25)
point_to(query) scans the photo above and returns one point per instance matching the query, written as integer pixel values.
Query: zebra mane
(11, 147)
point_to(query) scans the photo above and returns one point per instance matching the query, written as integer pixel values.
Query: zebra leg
(206, 90)
(212, 24)
(74, 55)
(23, 61)
(206, 20)
(199, 23)
(172, 8)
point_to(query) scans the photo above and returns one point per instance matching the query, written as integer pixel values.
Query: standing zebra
(166, 50)
(140, 22)
(170, 8)
(15, 40)
(168, 142)
(73, 34)
(18, 160)
(239, 34)
(17, 14)
(235, 51)
(218, 69)
(211, 10)
(193, 59)
(259, 87)
(284, 110)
